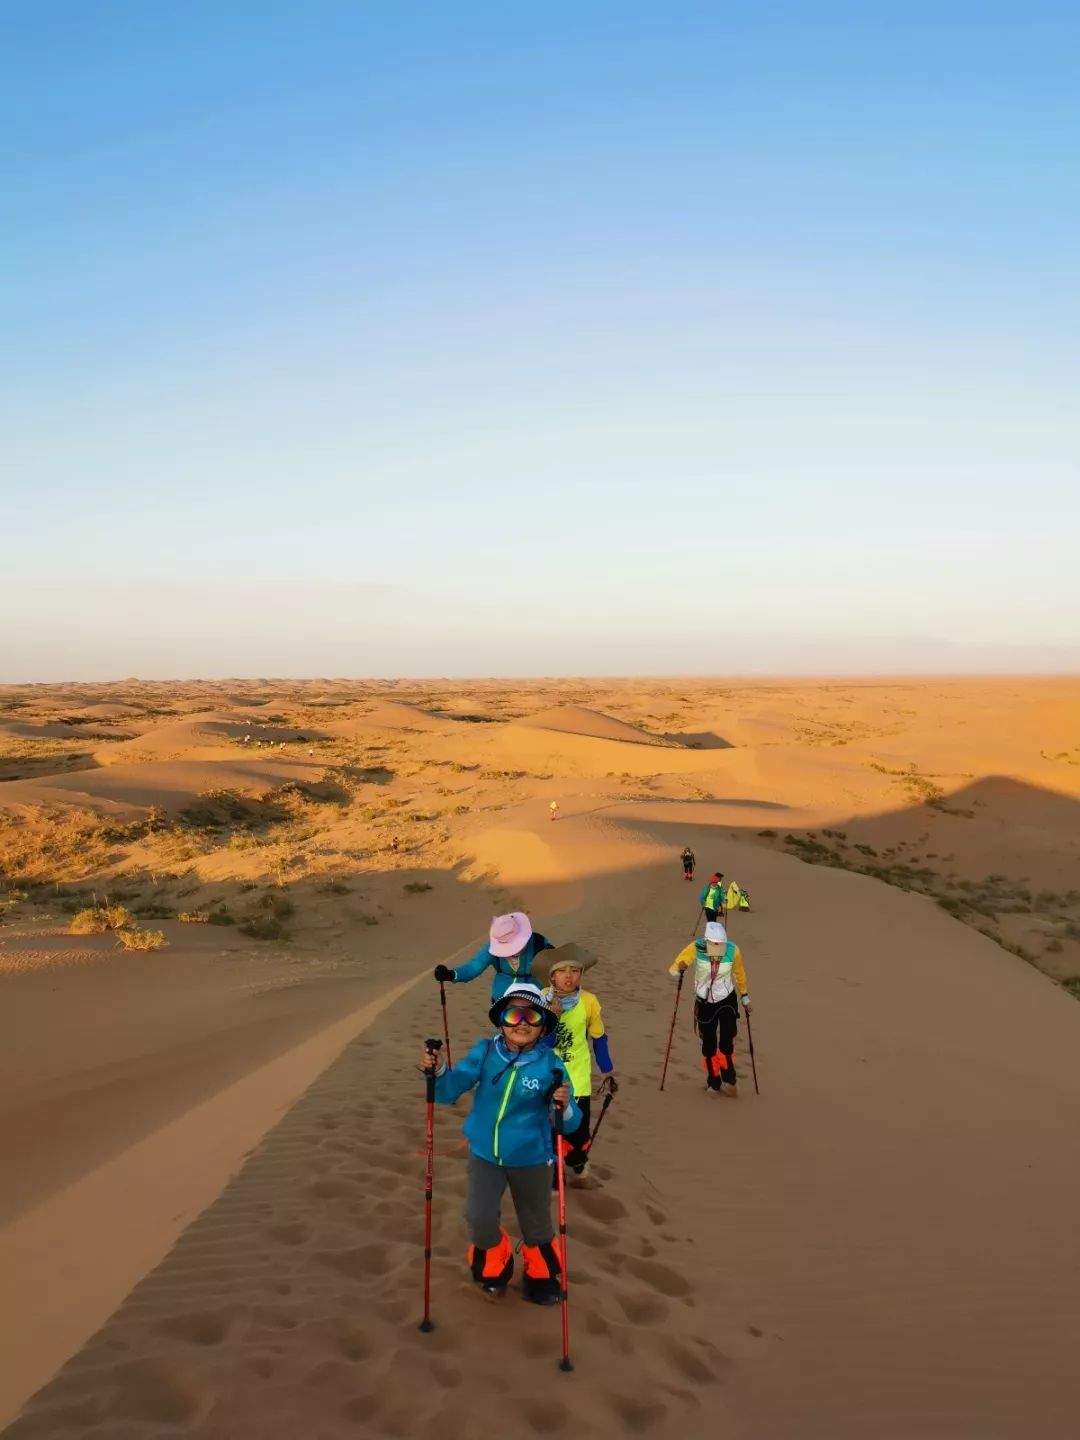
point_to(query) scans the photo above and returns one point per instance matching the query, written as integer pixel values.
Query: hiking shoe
(732, 1091)
(541, 1292)
(491, 1289)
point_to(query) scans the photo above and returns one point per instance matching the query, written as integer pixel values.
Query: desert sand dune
(209, 731)
(881, 1243)
(168, 785)
(390, 716)
(866, 1188)
(579, 720)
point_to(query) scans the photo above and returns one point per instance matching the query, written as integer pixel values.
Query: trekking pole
(445, 1026)
(599, 1121)
(433, 1048)
(697, 922)
(671, 1032)
(750, 1042)
(564, 1290)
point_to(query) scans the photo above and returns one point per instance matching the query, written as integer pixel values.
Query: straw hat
(550, 960)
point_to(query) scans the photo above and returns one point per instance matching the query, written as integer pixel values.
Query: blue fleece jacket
(510, 1122)
(505, 975)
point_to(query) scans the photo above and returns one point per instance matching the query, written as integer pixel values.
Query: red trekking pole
(671, 1032)
(445, 1026)
(564, 1296)
(433, 1048)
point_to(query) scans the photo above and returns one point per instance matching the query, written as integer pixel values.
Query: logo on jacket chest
(530, 1082)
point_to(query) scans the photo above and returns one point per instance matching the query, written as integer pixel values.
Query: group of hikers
(539, 1060)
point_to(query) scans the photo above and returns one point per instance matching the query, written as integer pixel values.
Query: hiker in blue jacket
(515, 1080)
(512, 945)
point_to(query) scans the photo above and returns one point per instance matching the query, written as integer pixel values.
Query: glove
(673, 971)
(610, 1083)
(443, 974)
(746, 1002)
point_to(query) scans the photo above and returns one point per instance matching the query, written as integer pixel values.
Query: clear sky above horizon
(353, 339)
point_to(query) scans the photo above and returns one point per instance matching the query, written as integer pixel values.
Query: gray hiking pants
(530, 1186)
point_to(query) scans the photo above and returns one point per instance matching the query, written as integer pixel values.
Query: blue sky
(355, 338)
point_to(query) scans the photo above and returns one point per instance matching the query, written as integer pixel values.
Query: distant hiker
(689, 863)
(515, 1078)
(394, 843)
(512, 944)
(711, 898)
(736, 898)
(719, 980)
(560, 970)
(554, 808)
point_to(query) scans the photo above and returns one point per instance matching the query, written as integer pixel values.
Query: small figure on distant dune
(395, 844)
(689, 863)
(554, 808)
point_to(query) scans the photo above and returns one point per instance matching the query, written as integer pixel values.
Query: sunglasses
(521, 1015)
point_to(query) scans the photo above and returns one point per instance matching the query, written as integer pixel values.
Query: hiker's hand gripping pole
(431, 1061)
(671, 1032)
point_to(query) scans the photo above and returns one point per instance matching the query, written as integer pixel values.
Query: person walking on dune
(711, 898)
(689, 863)
(515, 1079)
(554, 808)
(512, 945)
(719, 981)
(737, 897)
(559, 973)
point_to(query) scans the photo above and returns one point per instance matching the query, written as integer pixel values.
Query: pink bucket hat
(509, 933)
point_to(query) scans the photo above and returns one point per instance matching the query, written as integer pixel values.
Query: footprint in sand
(205, 1327)
(642, 1309)
(290, 1233)
(659, 1277)
(637, 1416)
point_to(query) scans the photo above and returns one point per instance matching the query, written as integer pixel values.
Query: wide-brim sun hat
(524, 994)
(509, 933)
(548, 961)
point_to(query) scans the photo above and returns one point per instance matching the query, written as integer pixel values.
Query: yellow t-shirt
(577, 1026)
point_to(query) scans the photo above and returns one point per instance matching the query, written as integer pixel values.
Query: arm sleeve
(540, 942)
(594, 1028)
(739, 970)
(453, 1083)
(682, 960)
(479, 962)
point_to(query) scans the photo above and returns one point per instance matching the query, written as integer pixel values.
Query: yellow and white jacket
(715, 977)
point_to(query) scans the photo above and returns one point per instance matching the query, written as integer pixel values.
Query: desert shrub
(263, 927)
(1054, 946)
(97, 919)
(416, 887)
(194, 917)
(331, 887)
(142, 939)
(279, 906)
(767, 834)
(154, 910)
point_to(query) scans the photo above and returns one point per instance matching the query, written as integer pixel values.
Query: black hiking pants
(578, 1140)
(718, 1024)
(710, 914)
